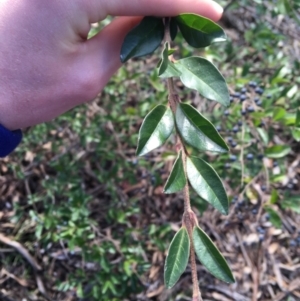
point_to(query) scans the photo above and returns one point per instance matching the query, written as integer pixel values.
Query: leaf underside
(207, 183)
(210, 256)
(200, 74)
(143, 39)
(176, 180)
(155, 130)
(197, 131)
(177, 258)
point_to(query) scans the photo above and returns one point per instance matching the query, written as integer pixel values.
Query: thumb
(102, 52)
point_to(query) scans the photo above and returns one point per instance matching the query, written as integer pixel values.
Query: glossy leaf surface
(176, 180)
(199, 31)
(207, 183)
(200, 74)
(210, 256)
(177, 258)
(143, 39)
(155, 130)
(197, 131)
(277, 151)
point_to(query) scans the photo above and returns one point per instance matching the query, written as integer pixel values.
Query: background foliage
(93, 214)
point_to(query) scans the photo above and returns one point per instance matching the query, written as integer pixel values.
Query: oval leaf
(177, 258)
(176, 180)
(210, 256)
(207, 183)
(199, 31)
(155, 130)
(197, 131)
(200, 74)
(277, 151)
(143, 39)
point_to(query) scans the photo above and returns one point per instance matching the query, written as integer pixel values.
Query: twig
(189, 218)
(36, 267)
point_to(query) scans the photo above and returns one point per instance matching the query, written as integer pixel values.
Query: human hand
(47, 64)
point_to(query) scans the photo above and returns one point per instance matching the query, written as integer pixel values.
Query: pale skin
(47, 64)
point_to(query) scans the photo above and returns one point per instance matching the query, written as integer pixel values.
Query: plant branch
(189, 218)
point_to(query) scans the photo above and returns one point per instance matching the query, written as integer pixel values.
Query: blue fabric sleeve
(9, 140)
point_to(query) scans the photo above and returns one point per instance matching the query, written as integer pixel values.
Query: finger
(101, 57)
(207, 8)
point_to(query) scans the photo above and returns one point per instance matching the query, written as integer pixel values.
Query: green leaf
(164, 60)
(197, 131)
(143, 39)
(274, 217)
(171, 71)
(278, 114)
(173, 28)
(200, 74)
(207, 183)
(277, 151)
(177, 258)
(155, 130)
(292, 203)
(210, 256)
(274, 196)
(264, 135)
(176, 180)
(199, 31)
(298, 118)
(296, 134)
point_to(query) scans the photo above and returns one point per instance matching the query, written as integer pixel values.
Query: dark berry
(263, 187)
(290, 186)
(241, 203)
(227, 165)
(269, 96)
(253, 84)
(243, 97)
(250, 109)
(256, 99)
(231, 99)
(240, 123)
(275, 164)
(249, 156)
(254, 211)
(233, 144)
(234, 199)
(259, 103)
(260, 230)
(261, 124)
(226, 112)
(229, 139)
(259, 91)
(236, 95)
(235, 129)
(232, 158)
(243, 90)
(293, 243)
(243, 112)
(218, 128)
(260, 156)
